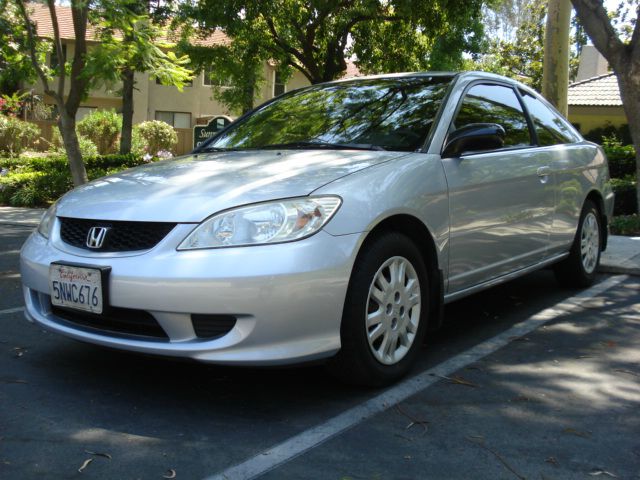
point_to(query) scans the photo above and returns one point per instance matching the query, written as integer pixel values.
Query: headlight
(272, 222)
(47, 221)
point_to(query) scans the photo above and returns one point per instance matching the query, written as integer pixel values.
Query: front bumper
(287, 298)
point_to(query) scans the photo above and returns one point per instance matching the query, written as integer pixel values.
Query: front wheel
(579, 268)
(385, 313)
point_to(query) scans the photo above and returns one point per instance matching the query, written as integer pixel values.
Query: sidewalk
(622, 255)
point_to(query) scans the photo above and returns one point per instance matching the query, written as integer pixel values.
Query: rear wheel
(579, 268)
(385, 313)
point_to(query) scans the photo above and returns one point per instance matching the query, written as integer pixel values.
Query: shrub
(87, 147)
(622, 158)
(625, 225)
(156, 136)
(598, 135)
(102, 127)
(625, 202)
(15, 135)
(37, 181)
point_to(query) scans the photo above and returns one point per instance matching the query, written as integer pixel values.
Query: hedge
(37, 182)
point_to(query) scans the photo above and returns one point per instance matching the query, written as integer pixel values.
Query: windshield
(389, 114)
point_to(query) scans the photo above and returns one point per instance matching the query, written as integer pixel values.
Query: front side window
(390, 114)
(175, 119)
(551, 128)
(495, 104)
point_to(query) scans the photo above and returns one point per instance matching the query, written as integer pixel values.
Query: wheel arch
(420, 235)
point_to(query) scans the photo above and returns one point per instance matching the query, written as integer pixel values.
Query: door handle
(544, 171)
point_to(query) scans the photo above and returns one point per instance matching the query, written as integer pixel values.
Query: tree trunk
(629, 83)
(555, 73)
(249, 89)
(67, 125)
(128, 83)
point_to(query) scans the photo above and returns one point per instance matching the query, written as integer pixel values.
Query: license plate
(77, 287)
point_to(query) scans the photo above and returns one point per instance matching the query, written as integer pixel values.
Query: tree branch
(596, 23)
(307, 71)
(57, 42)
(31, 41)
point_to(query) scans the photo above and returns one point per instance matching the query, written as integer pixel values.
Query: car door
(501, 201)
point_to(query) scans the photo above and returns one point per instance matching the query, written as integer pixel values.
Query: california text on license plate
(76, 287)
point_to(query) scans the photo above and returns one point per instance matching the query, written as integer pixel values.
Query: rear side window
(550, 127)
(495, 104)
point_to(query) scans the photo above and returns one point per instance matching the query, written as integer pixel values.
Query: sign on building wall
(201, 133)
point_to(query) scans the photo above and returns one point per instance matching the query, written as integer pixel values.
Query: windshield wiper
(214, 149)
(327, 145)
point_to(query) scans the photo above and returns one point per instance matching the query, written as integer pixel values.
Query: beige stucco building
(152, 101)
(594, 98)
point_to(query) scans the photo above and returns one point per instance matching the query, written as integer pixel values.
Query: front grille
(120, 237)
(117, 321)
(212, 326)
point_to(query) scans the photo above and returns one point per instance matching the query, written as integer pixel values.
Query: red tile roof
(39, 13)
(601, 91)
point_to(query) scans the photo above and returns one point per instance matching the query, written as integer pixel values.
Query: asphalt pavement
(526, 380)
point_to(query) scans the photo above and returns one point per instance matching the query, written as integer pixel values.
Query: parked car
(332, 222)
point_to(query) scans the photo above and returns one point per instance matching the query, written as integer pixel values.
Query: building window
(279, 87)
(208, 82)
(175, 119)
(53, 57)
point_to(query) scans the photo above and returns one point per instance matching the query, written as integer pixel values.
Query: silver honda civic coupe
(332, 222)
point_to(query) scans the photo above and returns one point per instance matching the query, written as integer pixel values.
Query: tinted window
(495, 104)
(551, 128)
(395, 114)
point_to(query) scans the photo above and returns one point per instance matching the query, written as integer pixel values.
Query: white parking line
(279, 454)
(11, 310)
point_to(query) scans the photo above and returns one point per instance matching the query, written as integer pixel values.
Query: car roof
(465, 75)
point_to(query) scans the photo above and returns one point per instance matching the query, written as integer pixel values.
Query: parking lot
(526, 380)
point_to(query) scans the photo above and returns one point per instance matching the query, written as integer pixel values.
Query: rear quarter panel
(579, 169)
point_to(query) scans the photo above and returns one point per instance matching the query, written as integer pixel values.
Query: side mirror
(474, 137)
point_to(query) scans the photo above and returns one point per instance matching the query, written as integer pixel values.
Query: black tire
(356, 362)
(579, 268)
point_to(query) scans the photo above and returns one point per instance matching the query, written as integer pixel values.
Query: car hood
(193, 187)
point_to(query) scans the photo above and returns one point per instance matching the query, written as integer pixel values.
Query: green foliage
(87, 147)
(15, 64)
(30, 182)
(625, 225)
(102, 127)
(600, 134)
(520, 57)
(625, 199)
(317, 37)
(156, 136)
(518, 52)
(622, 158)
(16, 134)
(235, 83)
(129, 40)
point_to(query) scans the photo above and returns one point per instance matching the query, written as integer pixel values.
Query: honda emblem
(96, 236)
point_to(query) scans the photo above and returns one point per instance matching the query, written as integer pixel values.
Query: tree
(517, 51)
(235, 70)
(66, 101)
(129, 43)
(621, 48)
(15, 65)
(516, 32)
(555, 71)
(317, 37)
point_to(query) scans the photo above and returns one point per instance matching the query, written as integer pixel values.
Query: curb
(635, 271)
